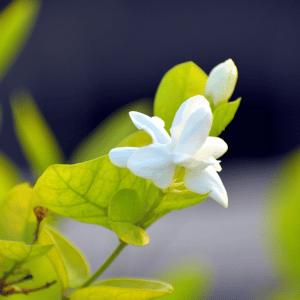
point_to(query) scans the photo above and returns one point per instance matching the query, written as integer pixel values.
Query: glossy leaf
(123, 289)
(9, 175)
(178, 84)
(16, 23)
(17, 221)
(83, 191)
(19, 251)
(36, 138)
(110, 132)
(223, 115)
(68, 262)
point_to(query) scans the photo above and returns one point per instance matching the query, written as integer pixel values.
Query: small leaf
(178, 84)
(110, 132)
(125, 209)
(123, 289)
(18, 222)
(179, 200)
(19, 251)
(137, 139)
(130, 234)
(36, 138)
(9, 175)
(126, 206)
(83, 191)
(67, 260)
(223, 115)
(16, 23)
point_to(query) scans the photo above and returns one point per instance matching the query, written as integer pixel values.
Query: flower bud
(221, 82)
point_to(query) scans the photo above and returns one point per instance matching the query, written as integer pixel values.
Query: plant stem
(105, 265)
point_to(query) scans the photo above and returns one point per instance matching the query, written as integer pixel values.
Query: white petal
(206, 181)
(213, 146)
(120, 156)
(153, 162)
(221, 82)
(195, 131)
(183, 113)
(153, 126)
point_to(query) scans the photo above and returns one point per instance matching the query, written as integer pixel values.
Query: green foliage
(16, 23)
(223, 115)
(17, 221)
(9, 175)
(179, 199)
(36, 138)
(178, 84)
(126, 209)
(70, 265)
(137, 139)
(110, 132)
(191, 279)
(19, 251)
(123, 289)
(281, 224)
(83, 191)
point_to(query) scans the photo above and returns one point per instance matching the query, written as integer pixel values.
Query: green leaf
(223, 115)
(126, 206)
(16, 23)
(17, 221)
(125, 209)
(83, 191)
(281, 223)
(123, 289)
(19, 251)
(191, 279)
(130, 234)
(137, 139)
(177, 200)
(9, 175)
(68, 262)
(178, 84)
(110, 132)
(36, 138)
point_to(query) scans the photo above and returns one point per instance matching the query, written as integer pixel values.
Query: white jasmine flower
(189, 146)
(221, 82)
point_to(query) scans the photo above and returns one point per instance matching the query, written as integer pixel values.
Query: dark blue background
(87, 58)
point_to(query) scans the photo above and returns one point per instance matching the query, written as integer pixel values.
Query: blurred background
(86, 59)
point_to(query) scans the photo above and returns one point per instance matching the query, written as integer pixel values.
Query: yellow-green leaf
(16, 23)
(68, 262)
(123, 289)
(36, 138)
(130, 234)
(223, 115)
(17, 221)
(110, 132)
(137, 139)
(83, 191)
(9, 175)
(178, 84)
(19, 251)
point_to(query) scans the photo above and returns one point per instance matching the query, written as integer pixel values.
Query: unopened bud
(221, 82)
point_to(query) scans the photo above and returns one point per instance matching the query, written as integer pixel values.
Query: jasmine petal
(120, 156)
(206, 181)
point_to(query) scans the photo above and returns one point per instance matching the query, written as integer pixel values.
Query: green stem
(105, 265)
